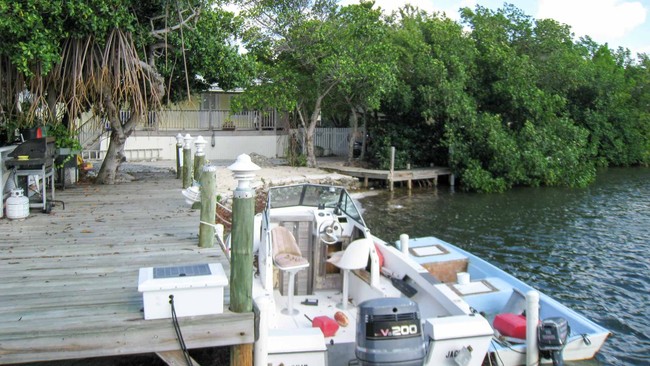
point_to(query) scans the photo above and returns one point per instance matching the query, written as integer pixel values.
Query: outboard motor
(389, 332)
(552, 334)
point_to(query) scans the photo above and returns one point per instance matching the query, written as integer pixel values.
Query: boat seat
(288, 258)
(355, 256)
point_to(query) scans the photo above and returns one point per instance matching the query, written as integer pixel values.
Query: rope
(179, 335)
(224, 220)
(224, 207)
(221, 243)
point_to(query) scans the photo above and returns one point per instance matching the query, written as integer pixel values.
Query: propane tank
(17, 205)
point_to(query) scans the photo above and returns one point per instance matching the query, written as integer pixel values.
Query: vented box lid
(457, 326)
(182, 277)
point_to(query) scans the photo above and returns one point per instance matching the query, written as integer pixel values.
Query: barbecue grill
(35, 158)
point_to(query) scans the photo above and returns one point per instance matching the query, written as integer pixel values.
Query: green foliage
(477, 178)
(209, 51)
(31, 30)
(434, 68)
(314, 53)
(296, 159)
(64, 137)
(381, 154)
(515, 101)
(113, 55)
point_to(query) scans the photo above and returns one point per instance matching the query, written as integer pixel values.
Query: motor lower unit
(552, 334)
(389, 332)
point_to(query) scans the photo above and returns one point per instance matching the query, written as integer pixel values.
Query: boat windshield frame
(314, 195)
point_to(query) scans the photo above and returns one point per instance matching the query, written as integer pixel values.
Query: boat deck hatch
(473, 288)
(428, 250)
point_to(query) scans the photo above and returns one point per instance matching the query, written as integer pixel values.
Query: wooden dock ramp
(69, 279)
(390, 177)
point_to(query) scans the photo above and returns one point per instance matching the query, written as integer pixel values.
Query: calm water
(588, 248)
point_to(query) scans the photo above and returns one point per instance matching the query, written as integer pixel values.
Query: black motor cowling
(552, 335)
(389, 332)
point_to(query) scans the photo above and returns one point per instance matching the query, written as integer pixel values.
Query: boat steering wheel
(330, 231)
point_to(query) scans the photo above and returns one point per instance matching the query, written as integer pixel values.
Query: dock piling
(187, 161)
(208, 206)
(179, 146)
(199, 157)
(241, 274)
(199, 162)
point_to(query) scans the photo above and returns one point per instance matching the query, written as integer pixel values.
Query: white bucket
(17, 205)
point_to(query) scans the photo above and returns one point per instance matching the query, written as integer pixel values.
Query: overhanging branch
(185, 21)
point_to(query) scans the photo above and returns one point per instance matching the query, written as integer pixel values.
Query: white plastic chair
(288, 258)
(355, 256)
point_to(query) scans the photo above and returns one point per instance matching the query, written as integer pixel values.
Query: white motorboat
(501, 298)
(331, 293)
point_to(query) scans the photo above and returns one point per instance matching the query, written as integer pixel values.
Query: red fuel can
(511, 325)
(326, 324)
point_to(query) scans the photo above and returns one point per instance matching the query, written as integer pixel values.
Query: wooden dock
(408, 176)
(68, 279)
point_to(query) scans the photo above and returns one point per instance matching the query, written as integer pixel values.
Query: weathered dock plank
(68, 280)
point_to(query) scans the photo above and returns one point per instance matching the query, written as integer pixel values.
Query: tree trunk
(364, 141)
(113, 159)
(309, 132)
(119, 133)
(353, 135)
(309, 141)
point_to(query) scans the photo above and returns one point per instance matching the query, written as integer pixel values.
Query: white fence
(333, 140)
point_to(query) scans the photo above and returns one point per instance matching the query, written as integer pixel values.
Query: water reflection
(586, 247)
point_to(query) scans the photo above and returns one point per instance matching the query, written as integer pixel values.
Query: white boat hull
(457, 293)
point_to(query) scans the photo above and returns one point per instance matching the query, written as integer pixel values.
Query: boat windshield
(314, 195)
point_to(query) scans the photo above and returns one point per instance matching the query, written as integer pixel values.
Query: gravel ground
(272, 172)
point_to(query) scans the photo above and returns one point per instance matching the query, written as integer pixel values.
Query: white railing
(92, 128)
(177, 120)
(92, 154)
(90, 131)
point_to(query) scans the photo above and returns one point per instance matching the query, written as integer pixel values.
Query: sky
(619, 23)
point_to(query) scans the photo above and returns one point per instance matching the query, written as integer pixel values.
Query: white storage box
(197, 290)
(458, 339)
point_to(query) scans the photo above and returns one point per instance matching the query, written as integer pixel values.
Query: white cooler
(197, 290)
